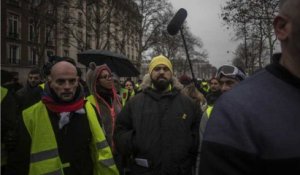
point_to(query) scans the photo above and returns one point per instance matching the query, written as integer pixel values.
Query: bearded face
(161, 77)
(161, 84)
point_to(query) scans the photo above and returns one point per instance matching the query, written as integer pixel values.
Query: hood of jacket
(92, 77)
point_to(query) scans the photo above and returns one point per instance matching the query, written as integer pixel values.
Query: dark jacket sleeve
(9, 115)
(223, 159)
(20, 158)
(195, 129)
(124, 131)
(9, 127)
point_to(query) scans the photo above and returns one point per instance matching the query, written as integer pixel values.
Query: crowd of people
(163, 125)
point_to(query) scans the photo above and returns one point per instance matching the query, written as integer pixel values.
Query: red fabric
(66, 107)
(124, 95)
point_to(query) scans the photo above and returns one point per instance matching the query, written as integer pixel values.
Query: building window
(50, 10)
(13, 26)
(79, 4)
(66, 14)
(49, 36)
(14, 54)
(66, 53)
(33, 57)
(66, 39)
(89, 16)
(14, 2)
(88, 41)
(50, 53)
(80, 41)
(36, 3)
(80, 20)
(31, 32)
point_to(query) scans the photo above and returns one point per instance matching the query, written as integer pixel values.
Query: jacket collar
(281, 72)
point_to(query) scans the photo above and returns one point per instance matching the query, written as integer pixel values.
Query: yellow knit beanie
(160, 60)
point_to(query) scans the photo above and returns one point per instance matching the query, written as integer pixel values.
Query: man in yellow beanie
(161, 70)
(158, 127)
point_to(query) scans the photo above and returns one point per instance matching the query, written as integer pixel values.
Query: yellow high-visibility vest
(208, 110)
(3, 151)
(91, 99)
(44, 157)
(42, 86)
(3, 93)
(124, 94)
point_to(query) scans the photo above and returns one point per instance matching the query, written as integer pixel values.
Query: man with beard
(31, 93)
(158, 128)
(61, 134)
(254, 128)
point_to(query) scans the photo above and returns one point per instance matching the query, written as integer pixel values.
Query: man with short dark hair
(158, 127)
(214, 85)
(229, 76)
(254, 128)
(31, 93)
(215, 91)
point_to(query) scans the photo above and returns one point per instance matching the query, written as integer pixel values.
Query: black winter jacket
(161, 128)
(28, 96)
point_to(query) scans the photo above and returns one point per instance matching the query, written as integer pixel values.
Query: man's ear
(282, 27)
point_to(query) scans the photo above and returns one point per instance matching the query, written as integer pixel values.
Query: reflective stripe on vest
(3, 93)
(208, 110)
(44, 153)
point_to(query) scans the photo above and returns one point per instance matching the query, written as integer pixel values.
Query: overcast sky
(205, 22)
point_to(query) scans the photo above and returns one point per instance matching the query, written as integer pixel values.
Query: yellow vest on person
(42, 86)
(124, 94)
(3, 93)
(208, 110)
(91, 99)
(3, 151)
(44, 157)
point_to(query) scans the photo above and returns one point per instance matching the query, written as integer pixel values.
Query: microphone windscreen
(177, 21)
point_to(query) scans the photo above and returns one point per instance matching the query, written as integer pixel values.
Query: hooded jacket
(159, 129)
(107, 102)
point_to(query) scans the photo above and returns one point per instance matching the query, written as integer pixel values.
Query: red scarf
(62, 107)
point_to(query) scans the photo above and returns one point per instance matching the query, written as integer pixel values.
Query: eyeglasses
(107, 76)
(231, 71)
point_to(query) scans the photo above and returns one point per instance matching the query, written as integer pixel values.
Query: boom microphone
(177, 21)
